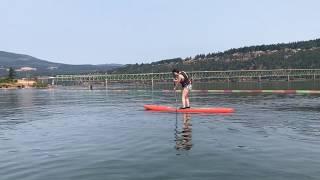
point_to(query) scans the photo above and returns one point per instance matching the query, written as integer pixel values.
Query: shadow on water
(183, 135)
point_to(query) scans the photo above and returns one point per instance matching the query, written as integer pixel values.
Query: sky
(144, 31)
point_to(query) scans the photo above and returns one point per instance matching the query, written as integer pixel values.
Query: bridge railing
(196, 75)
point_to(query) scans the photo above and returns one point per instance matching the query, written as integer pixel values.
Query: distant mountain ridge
(37, 67)
(294, 55)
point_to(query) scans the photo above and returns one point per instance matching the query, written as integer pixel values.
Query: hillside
(295, 55)
(31, 66)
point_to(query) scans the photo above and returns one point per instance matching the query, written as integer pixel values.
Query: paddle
(175, 95)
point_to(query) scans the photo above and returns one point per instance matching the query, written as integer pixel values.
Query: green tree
(12, 73)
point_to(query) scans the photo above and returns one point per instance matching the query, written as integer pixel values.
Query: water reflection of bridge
(287, 74)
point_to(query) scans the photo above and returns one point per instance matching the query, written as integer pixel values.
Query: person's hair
(175, 70)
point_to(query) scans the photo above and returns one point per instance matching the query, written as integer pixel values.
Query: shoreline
(12, 86)
(18, 84)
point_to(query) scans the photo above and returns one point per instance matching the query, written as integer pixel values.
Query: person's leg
(184, 98)
(187, 97)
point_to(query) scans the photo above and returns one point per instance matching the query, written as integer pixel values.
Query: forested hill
(31, 66)
(295, 55)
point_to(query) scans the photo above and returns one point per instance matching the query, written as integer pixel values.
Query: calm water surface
(97, 135)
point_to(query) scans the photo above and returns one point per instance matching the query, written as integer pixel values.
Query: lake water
(99, 134)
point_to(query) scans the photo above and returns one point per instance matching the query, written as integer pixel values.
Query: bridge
(287, 74)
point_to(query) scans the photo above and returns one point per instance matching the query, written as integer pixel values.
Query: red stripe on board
(203, 91)
(313, 92)
(257, 91)
(229, 91)
(290, 91)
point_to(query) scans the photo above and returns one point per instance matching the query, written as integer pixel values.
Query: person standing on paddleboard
(182, 78)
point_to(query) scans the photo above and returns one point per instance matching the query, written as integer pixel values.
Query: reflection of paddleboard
(188, 110)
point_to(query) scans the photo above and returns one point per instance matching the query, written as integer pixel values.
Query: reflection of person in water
(184, 137)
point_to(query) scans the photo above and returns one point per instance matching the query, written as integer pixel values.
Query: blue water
(97, 135)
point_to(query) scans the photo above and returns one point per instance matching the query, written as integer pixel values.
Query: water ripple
(81, 134)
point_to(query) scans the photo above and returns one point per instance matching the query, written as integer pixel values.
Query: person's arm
(176, 82)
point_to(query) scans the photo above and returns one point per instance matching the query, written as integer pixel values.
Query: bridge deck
(196, 75)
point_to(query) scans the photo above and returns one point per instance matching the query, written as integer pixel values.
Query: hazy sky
(135, 31)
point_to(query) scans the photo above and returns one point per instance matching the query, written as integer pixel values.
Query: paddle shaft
(175, 95)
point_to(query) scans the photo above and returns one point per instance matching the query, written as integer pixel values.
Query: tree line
(10, 77)
(295, 55)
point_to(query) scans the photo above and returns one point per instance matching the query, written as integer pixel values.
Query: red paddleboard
(159, 108)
